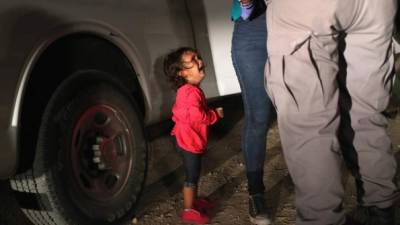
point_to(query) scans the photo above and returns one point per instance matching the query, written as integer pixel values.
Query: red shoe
(203, 204)
(194, 216)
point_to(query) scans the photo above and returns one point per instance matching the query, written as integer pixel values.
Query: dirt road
(223, 180)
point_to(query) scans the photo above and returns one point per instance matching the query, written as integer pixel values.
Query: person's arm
(190, 108)
(196, 111)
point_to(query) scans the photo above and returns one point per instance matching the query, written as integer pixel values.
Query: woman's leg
(249, 56)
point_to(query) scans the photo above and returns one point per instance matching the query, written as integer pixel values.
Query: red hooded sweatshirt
(192, 118)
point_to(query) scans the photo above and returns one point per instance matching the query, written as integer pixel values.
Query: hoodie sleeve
(193, 109)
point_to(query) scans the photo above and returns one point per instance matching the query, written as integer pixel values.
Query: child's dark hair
(173, 64)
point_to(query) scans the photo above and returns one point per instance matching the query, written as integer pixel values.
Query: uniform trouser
(301, 79)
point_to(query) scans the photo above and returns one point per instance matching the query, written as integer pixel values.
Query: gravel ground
(226, 185)
(223, 181)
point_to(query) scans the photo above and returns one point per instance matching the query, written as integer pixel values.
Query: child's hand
(220, 112)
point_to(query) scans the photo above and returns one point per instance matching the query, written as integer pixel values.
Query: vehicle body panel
(143, 30)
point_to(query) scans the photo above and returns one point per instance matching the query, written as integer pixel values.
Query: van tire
(91, 156)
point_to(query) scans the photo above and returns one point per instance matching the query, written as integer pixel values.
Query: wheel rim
(101, 153)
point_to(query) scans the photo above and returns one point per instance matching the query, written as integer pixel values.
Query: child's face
(192, 68)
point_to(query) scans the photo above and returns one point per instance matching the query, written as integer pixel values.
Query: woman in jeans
(249, 55)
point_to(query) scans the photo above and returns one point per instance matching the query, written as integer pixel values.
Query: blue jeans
(249, 55)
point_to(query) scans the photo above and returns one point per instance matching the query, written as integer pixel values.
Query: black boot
(257, 210)
(372, 215)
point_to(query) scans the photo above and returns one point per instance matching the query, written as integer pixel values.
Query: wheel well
(60, 60)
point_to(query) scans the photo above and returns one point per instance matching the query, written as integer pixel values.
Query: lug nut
(96, 159)
(97, 153)
(99, 139)
(101, 166)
